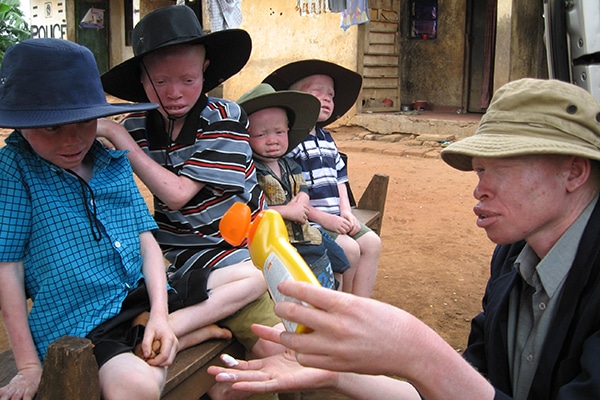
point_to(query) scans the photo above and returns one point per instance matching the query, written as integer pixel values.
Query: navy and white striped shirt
(323, 170)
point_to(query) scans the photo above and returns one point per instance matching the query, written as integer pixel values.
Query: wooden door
(378, 61)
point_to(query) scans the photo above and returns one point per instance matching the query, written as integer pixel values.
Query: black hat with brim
(347, 83)
(228, 50)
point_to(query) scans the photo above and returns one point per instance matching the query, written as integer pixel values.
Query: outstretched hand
(278, 373)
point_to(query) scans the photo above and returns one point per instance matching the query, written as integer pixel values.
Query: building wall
(116, 38)
(280, 35)
(432, 70)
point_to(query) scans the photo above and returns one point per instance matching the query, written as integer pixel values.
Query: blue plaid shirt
(79, 242)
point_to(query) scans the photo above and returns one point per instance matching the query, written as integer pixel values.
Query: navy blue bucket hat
(52, 82)
(228, 50)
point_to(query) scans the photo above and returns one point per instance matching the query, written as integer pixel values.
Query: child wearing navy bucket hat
(75, 232)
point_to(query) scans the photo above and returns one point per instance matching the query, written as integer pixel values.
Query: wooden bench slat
(8, 368)
(187, 377)
(371, 205)
(367, 217)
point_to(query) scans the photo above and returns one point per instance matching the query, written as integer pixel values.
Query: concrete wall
(280, 35)
(431, 70)
(116, 38)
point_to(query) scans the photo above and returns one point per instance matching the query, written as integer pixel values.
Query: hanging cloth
(356, 12)
(224, 14)
(311, 8)
(337, 6)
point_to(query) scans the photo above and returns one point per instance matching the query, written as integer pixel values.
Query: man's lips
(485, 218)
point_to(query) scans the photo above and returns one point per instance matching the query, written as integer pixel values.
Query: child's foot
(202, 335)
(141, 319)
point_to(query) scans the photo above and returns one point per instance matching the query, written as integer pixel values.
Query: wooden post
(70, 371)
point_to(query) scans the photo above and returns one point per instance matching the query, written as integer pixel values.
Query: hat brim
(228, 51)
(40, 118)
(304, 107)
(347, 83)
(460, 154)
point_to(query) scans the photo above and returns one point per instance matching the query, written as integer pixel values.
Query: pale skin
(363, 253)
(269, 141)
(531, 198)
(175, 80)
(66, 147)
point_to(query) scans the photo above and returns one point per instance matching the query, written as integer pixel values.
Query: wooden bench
(371, 205)
(70, 370)
(71, 373)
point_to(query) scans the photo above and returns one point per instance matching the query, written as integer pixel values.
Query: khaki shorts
(260, 311)
(363, 229)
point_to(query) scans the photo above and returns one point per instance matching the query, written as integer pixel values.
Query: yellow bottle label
(275, 272)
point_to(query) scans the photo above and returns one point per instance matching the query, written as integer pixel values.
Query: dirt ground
(434, 260)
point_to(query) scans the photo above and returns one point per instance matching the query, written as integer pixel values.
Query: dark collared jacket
(569, 367)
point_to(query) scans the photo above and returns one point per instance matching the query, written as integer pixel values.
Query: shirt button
(542, 306)
(530, 357)
(117, 244)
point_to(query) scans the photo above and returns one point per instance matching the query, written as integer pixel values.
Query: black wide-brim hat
(53, 82)
(228, 50)
(302, 109)
(347, 83)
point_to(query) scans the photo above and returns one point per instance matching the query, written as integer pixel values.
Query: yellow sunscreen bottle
(270, 250)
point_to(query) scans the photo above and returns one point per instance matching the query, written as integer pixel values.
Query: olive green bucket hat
(532, 116)
(302, 108)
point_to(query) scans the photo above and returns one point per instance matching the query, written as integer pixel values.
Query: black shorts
(116, 335)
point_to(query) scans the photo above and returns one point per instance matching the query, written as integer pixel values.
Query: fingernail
(229, 361)
(228, 377)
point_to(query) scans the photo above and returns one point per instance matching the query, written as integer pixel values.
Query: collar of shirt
(552, 269)
(156, 123)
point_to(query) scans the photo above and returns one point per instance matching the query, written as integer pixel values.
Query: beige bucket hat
(532, 116)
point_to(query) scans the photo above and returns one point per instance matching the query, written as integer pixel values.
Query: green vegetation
(13, 26)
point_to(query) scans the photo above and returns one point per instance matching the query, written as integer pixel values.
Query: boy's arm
(174, 190)
(328, 221)
(13, 303)
(158, 328)
(346, 209)
(296, 210)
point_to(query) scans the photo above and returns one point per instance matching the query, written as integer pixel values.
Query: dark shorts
(117, 336)
(339, 261)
